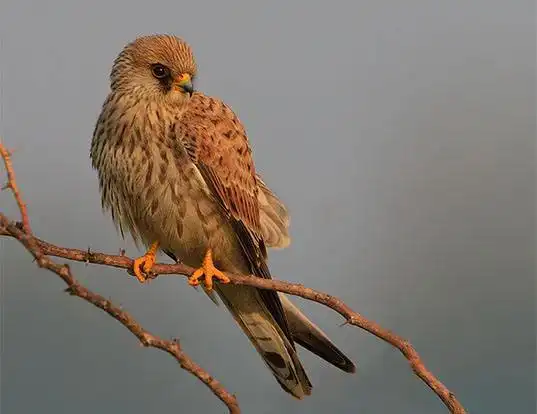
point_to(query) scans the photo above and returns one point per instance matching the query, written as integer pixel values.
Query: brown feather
(216, 140)
(274, 217)
(217, 143)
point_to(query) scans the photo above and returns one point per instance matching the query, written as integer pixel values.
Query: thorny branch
(12, 185)
(41, 249)
(22, 232)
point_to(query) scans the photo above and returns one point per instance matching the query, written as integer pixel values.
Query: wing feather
(273, 216)
(216, 142)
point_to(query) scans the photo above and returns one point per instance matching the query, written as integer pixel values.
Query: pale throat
(138, 108)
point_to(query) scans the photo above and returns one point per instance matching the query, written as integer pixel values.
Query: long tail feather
(311, 337)
(279, 355)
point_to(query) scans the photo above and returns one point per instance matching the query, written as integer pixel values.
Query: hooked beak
(184, 83)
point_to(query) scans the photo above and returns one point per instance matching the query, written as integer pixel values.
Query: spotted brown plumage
(208, 124)
(176, 172)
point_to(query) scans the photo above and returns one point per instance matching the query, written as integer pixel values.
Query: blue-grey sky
(401, 135)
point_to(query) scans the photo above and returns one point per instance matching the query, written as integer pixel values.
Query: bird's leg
(142, 265)
(208, 270)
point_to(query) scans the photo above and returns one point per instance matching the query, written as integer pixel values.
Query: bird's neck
(132, 100)
(141, 110)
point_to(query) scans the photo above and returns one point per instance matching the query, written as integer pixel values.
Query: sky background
(401, 135)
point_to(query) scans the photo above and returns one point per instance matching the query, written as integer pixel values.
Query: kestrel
(176, 172)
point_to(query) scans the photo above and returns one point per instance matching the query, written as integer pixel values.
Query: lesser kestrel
(176, 172)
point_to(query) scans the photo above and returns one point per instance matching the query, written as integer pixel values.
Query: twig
(353, 318)
(12, 185)
(23, 234)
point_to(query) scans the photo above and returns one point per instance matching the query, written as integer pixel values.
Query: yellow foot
(142, 265)
(208, 271)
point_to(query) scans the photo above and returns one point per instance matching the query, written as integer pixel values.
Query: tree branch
(21, 232)
(12, 185)
(41, 249)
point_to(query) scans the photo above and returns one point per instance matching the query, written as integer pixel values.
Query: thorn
(88, 255)
(6, 186)
(69, 290)
(344, 323)
(122, 252)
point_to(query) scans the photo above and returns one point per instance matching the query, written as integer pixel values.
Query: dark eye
(160, 71)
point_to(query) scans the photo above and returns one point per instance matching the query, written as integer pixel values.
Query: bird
(176, 172)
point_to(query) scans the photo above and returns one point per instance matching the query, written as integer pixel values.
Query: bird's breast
(155, 192)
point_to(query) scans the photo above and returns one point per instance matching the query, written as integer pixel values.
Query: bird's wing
(216, 142)
(273, 217)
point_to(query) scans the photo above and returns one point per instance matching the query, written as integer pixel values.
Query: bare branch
(8, 228)
(23, 234)
(12, 185)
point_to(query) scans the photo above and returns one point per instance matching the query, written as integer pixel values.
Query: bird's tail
(311, 337)
(248, 309)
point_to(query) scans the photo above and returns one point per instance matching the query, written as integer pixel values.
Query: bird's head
(156, 67)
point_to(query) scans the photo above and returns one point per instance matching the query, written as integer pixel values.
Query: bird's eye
(160, 71)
